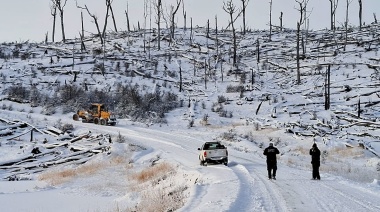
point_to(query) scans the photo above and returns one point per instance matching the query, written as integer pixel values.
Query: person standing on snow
(271, 153)
(315, 161)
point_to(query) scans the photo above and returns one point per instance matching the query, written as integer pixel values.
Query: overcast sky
(22, 20)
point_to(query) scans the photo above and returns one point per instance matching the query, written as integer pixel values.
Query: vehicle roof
(212, 142)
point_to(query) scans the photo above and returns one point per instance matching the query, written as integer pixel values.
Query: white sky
(30, 20)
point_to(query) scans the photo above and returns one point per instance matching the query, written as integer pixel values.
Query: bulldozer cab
(97, 108)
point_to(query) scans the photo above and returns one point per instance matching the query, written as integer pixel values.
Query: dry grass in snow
(158, 170)
(63, 175)
(158, 188)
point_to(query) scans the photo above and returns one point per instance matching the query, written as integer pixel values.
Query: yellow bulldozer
(97, 114)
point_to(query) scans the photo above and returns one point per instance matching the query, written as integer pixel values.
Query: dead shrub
(57, 177)
(343, 152)
(160, 200)
(152, 172)
(302, 150)
(163, 192)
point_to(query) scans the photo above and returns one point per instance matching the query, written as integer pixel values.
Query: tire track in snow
(285, 194)
(362, 202)
(247, 199)
(327, 194)
(307, 194)
(272, 198)
(267, 192)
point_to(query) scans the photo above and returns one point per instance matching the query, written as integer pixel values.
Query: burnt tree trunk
(258, 50)
(327, 89)
(63, 28)
(298, 54)
(270, 20)
(205, 74)
(113, 18)
(230, 8)
(54, 14)
(128, 25)
(106, 18)
(158, 7)
(180, 79)
(360, 14)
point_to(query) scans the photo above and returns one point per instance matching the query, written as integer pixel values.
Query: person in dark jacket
(315, 161)
(271, 153)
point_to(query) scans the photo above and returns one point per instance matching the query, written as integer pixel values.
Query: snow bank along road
(243, 185)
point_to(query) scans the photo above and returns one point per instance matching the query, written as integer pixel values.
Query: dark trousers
(316, 170)
(271, 166)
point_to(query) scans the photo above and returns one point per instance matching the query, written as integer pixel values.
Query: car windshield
(211, 146)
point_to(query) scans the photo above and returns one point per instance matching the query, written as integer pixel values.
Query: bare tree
(374, 17)
(158, 7)
(244, 7)
(333, 7)
(184, 14)
(360, 14)
(216, 35)
(150, 27)
(208, 29)
(95, 18)
(281, 15)
(173, 12)
(113, 16)
(106, 17)
(191, 31)
(60, 5)
(270, 20)
(230, 8)
(109, 9)
(127, 16)
(348, 2)
(306, 26)
(298, 53)
(145, 17)
(53, 11)
(302, 10)
(327, 88)
(180, 76)
(83, 47)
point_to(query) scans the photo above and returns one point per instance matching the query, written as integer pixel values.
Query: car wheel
(226, 162)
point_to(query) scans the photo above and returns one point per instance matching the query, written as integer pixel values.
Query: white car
(213, 152)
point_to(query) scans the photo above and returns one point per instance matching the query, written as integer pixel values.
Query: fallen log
(67, 65)
(26, 131)
(358, 122)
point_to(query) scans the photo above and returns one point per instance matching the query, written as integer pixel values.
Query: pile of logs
(44, 154)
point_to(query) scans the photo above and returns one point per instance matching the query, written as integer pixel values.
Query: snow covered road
(243, 185)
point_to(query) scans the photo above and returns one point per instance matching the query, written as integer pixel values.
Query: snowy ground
(242, 186)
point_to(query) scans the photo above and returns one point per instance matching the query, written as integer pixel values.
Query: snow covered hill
(185, 93)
